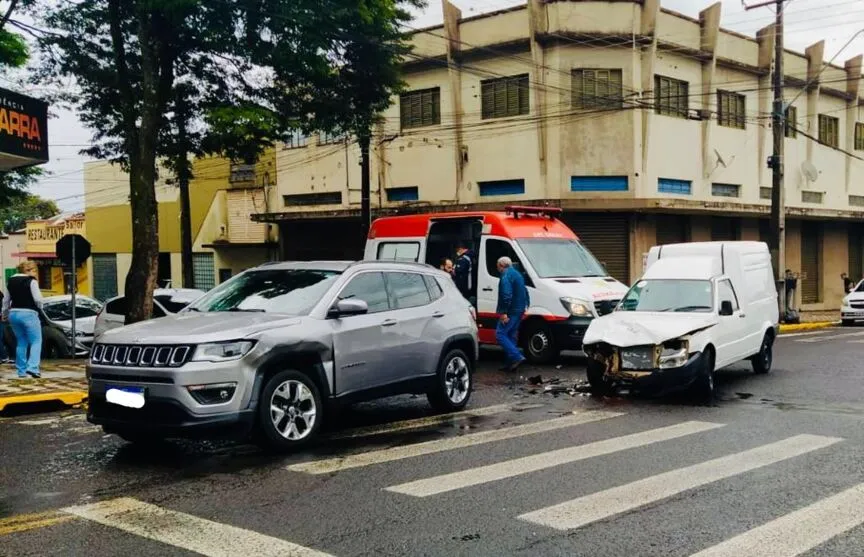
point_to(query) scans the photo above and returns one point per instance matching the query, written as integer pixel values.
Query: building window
(407, 193)
(598, 183)
(224, 274)
(203, 271)
(44, 278)
(829, 130)
(505, 96)
(765, 193)
(725, 190)
(399, 251)
(680, 187)
(812, 196)
(501, 187)
(322, 198)
(791, 130)
(296, 140)
(856, 200)
(671, 96)
(859, 136)
(420, 108)
(597, 89)
(731, 109)
(329, 138)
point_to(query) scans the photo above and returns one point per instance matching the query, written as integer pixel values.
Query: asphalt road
(773, 469)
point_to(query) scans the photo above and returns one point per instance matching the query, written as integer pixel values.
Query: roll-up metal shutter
(811, 272)
(607, 236)
(725, 229)
(672, 229)
(856, 252)
(104, 276)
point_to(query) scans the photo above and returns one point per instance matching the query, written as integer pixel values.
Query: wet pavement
(515, 474)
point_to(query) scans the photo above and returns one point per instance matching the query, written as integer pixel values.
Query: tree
(29, 207)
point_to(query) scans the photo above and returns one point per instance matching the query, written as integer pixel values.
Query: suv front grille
(605, 307)
(120, 355)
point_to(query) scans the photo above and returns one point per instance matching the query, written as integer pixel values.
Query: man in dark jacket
(513, 301)
(464, 271)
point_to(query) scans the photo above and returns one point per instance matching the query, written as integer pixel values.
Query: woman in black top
(22, 304)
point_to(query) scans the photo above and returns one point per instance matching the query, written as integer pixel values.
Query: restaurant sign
(23, 130)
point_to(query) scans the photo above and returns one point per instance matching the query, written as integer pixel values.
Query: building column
(650, 13)
(452, 15)
(537, 22)
(709, 24)
(765, 40)
(815, 57)
(853, 86)
(643, 236)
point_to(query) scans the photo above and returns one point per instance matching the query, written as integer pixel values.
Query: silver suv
(268, 351)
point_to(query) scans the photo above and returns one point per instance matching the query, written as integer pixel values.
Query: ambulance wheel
(539, 343)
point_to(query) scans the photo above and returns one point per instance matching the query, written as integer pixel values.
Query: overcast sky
(807, 22)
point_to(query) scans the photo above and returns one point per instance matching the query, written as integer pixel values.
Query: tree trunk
(183, 176)
(365, 194)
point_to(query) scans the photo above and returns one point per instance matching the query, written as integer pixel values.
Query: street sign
(72, 250)
(72, 247)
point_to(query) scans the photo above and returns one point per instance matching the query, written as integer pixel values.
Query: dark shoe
(34, 375)
(515, 365)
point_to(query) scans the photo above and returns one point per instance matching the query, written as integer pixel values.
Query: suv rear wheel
(289, 411)
(453, 384)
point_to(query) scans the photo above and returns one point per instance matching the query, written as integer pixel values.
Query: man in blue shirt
(464, 270)
(513, 301)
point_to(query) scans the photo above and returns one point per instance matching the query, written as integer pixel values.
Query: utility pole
(776, 161)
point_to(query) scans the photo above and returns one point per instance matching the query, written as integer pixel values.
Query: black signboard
(23, 130)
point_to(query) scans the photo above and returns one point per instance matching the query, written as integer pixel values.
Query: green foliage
(13, 49)
(15, 183)
(27, 207)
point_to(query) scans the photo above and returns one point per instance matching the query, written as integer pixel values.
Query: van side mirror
(726, 308)
(348, 307)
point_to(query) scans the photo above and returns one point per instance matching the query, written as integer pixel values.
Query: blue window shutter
(502, 187)
(598, 183)
(679, 187)
(408, 193)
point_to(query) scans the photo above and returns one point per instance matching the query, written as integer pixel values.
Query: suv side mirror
(726, 308)
(348, 307)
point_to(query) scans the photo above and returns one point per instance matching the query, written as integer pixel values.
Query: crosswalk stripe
(429, 447)
(829, 338)
(534, 463)
(185, 531)
(799, 531)
(597, 506)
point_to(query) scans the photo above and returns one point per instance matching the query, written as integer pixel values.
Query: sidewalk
(62, 381)
(813, 320)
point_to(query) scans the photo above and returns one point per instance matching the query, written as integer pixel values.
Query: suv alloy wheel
(290, 411)
(453, 384)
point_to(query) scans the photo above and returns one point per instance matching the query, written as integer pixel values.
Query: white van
(699, 307)
(567, 285)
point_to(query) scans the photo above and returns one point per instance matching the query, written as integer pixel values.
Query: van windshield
(553, 258)
(671, 295)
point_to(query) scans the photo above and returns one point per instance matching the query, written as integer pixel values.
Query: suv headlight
(576, 307)
(222, 351)
(674, 354)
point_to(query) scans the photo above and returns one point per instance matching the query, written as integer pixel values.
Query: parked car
(852, 308)
(166, 301)
(57, 327)
(699, 307)
(271, 350)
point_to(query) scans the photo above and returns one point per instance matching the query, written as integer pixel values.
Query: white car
(166, 301)
(852, 308)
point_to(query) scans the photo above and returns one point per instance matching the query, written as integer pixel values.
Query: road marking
(597, 506)
(830, 337)
(448, 444)
(807, 334)
(417, 423)
(24, 522)
(799, 531)
(185, 531)
(542, 461)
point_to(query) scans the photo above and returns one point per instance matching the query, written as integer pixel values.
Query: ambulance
(567, 285)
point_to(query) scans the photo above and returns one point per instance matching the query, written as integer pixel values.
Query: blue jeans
(28, 333)
(507, 335)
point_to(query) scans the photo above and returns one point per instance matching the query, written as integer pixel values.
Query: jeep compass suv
(270, 349)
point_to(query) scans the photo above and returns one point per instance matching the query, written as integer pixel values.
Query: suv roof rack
(549, 212)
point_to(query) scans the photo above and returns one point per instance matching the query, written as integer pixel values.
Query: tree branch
(8, 13)
(115, 22)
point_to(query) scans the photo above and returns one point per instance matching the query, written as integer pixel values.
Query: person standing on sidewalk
(22, 303)
(513, 301)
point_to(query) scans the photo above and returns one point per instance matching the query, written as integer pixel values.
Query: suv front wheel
(453, 383)
(289, 411)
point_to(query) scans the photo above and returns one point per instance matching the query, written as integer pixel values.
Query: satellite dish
(720, 160)
(809, 171)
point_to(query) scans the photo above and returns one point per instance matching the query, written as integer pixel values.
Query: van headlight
(222, 351)
(576, 308)
(845, 302)
(674, 354)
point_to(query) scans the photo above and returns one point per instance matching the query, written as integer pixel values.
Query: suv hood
(631, 328)
(196, 328)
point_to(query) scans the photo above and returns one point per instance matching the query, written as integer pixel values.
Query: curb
(807, 326)
(69, 398)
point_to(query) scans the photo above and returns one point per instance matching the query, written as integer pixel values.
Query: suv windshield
(669, 295)
(560, 258)
(290, 291)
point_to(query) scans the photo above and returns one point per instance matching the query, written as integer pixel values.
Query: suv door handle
(437, 314)
(388, 323)
(742, 315)
(487, 289)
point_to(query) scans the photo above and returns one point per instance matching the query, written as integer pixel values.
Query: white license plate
(130, 397)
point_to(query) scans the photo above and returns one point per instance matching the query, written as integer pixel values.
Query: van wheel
(453, 383)
(763, 360)
(599, 385)
(704, 389)
(290, 411)
(539, 343)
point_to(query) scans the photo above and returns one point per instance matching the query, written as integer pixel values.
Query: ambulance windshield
(560, 258)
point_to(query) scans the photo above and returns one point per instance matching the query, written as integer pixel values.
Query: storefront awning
(34, 255)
